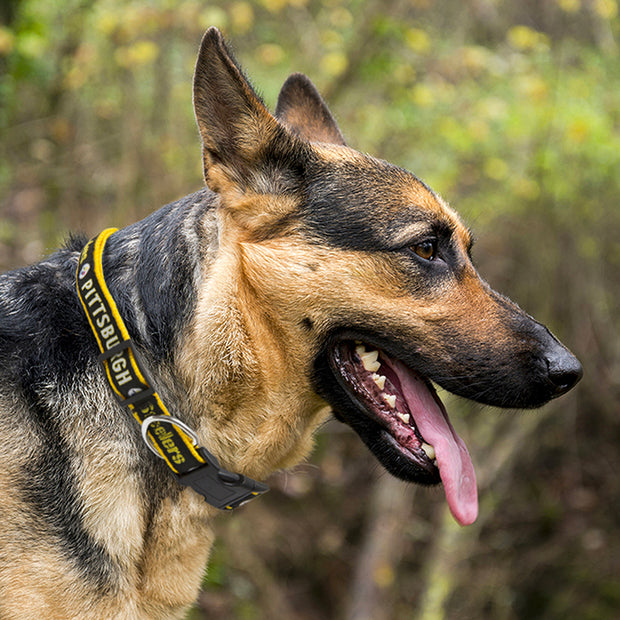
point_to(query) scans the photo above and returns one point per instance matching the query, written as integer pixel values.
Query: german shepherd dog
(306, 274)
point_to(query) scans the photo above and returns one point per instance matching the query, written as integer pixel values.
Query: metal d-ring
(169, 420)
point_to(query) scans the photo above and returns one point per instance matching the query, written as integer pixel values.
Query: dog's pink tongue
(455, 466)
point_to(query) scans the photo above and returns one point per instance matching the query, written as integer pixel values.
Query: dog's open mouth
(406, 423)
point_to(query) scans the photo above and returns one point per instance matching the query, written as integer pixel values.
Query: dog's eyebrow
(415, 230)
(412, 231)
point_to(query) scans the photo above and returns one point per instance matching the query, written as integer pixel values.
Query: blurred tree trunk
(73, 31)
(131, 152)
(8, 11)
(602, 30)
(441, 570)
(390, 509)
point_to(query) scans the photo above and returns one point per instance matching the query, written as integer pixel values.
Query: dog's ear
(240, 138)
(302, 109)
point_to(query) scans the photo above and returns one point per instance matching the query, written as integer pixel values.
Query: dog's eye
(426, 250)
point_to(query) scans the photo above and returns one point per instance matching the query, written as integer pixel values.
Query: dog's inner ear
(240, 138)
(302, 109)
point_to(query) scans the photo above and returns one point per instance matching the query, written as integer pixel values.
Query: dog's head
(365, 278)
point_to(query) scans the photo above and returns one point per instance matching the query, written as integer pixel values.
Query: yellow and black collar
(165, 435)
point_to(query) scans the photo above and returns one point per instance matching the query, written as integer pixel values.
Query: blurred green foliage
(509, 109)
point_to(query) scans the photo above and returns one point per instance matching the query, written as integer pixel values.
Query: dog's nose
(564, 369)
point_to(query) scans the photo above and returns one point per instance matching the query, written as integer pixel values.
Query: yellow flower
(524, 38)
(242, 16)
(334, 64)
(136, 55)
(418, 40)
(270, 54)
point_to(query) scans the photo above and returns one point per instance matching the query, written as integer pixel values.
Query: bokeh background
(511, 110)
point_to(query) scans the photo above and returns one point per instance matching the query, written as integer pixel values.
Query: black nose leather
(564, 369)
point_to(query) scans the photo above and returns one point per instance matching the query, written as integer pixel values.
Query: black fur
(359, 205)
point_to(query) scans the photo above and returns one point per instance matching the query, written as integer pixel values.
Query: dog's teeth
(369, 360)
(360, 349)
(390, 399)
(371, 356)
(404, 417)
(429, 451)
(379, 380)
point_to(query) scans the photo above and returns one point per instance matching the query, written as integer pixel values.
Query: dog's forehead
(361, 202)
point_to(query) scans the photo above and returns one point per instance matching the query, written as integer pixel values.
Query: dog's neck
(211, 346)
(245, 381)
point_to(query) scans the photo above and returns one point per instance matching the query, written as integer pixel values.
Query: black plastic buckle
(220, 488)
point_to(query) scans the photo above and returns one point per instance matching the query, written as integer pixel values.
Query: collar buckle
(224, 489)
(221, 488)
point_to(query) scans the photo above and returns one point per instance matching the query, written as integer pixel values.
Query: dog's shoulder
(38, 312)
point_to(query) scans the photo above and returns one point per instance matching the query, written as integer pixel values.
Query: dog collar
(168, 437)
